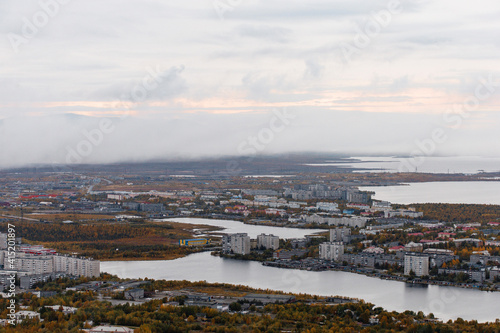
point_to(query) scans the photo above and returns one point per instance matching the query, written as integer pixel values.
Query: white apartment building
(355, 221)
(340, 235)
(331, 251)
(381, 205)
(32, 264)
(418, 263)
(77, 266)
(327, 206)
(46, 264)
(236, 243)
(268, 241)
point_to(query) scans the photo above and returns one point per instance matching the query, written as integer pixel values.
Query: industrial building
(194, 242)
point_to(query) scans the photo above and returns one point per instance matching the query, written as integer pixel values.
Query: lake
(445, 302)
(481, 192)
(426, 164)
(231, 226)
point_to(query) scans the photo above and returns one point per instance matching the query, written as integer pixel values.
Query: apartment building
(77, 266)
(268, 242)
(340, 235)
(418, 263)
(331, 251)
(36, 260)
(33, 264)
(236, 243)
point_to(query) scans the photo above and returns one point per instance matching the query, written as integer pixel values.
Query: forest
(458, 212)
(110, 241)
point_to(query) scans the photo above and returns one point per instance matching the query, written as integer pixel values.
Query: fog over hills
(200, 79)
(76, 139)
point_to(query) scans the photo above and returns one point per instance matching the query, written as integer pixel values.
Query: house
(396, 248)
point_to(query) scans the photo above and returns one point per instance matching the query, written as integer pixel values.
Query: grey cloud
(51, 139)
(263, 51)
(314, 69)
(261, 86)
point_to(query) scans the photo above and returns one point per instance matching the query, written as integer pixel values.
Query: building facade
(331, 251)
(340, 235)
(268, 242)
(418, 263)
(236, 243)
(42, 264)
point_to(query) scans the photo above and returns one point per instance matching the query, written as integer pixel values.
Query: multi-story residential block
(268, 241)
(418, 263)
(353, 195)
(305, 192)
(331, 251)
(355, 221)
(381, 205)
(403, 213)
(298, 243)
(32, 263)
(437, 257)
(359, 259)
(77, 266)
(37, 260)
(327, 206)
(483, 259)
(477, 275)
(371, 259)
(236, 243)
(148, 207)
(27, 281)
(340, 235)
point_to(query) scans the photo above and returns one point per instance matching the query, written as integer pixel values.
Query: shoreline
(415, 282)
(354, 270)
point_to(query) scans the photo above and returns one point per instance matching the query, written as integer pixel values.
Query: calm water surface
(445, 302)
(483, 192)
(428, 164)
(231, 226)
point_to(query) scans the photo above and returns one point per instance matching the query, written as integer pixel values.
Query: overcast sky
(106, 81)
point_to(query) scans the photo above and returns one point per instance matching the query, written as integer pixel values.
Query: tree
(235, 306)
